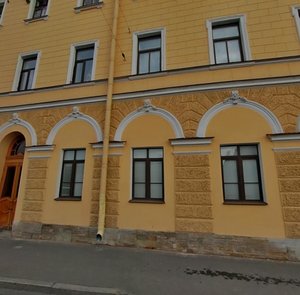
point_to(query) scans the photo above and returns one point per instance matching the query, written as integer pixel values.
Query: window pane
(149, 43)
(23, 81)
(79, 172)
(231, 191)
(221, 52)
(234, 51)
(9, 182)
(77, 189)
(139, 191)
(230, 171)
(143, 63)
(30, 80)
(226, 32)
(140, 153)
(80, 154)
(156, 153)
(69, 155)
(156, 191)
(140, 172)
(29, 64)
(156, 172)
(252, 191)
(78, 73)
(250, 171)
(229, 150)
(248, 150)
(65, 190)
(85, 53)
(155, 61)
(67, 172)
(1, 8)
(88, 70)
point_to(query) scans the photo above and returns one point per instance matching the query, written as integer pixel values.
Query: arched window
(18, 147)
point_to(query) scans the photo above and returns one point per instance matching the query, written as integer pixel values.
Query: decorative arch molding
(232, 101)
(15, 120)
(75, 115)
(148, 108)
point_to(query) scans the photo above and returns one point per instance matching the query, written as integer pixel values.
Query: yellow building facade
(159, 124)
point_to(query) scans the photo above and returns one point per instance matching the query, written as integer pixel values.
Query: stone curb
(56, 288)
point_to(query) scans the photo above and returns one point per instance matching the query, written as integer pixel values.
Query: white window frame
(73, 56)
(295, 14)
(20, 65)
(136, 36)
(31, 9)
(3, 11)
(244, 35)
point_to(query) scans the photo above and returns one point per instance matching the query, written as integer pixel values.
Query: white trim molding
(295, 13)
(148, 108)
(192, 153)
(233, 101)
(286, 149)
(75, 115)
(135, 38)
(241, 19)
(19, 66)
(73, 49)
(284, 137)
(191, 141)
(15, 120)
(3, 11)
(99, 145)
(40, 148)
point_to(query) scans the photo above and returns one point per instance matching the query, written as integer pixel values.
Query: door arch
(10, 181)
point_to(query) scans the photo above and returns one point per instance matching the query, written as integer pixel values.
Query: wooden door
(10, 181)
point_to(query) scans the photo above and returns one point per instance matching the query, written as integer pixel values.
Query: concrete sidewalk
(100, 269)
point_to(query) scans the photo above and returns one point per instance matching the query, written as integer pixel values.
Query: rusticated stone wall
(112, 192)
(288, 166)
(34, 190)
(193, 211)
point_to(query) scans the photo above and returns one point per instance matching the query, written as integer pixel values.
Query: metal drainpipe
(102, 195)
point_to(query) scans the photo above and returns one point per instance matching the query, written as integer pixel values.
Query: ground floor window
(148, 176)
(72, 173)
(241, 173)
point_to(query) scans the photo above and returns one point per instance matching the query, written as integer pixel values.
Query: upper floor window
(90, 2)
(241, 173)
(72, 174)
(82, 62)
(148, 52)
(2, 8)
(296, 14)
(38, 9)
(27, 73)
(228, 40)
(148, 176)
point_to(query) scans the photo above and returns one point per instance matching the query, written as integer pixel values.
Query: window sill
(67, 199)
(82, 84)
(33, 20)
(145, 201)
(231, 65)
(20, 92)
(254, 203)
(148, 75)
(88, 7)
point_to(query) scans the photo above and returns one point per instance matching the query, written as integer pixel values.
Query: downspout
(102, 195)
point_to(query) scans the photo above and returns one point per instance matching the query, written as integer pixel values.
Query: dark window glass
(72, 174)
(1, 8)
(89, 2)
(9, 182)
(18, 148)
(149, 54)
(27, 73)
(40, 8)
(83, 64)
(148, 180)
(227, 43)
(241, 173)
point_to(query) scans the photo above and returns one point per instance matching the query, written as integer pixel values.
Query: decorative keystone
(235, 98)
(147, 107)
(75, 112)
(15, 118)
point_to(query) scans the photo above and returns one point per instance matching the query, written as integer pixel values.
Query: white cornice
(192, 153)
(194, 141)
(284, 137)
(286, 149)
(111, 145)
(41, 148)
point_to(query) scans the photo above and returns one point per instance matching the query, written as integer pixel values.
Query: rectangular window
(83, 65)
(149, 54)
(228, 42)
(241, 173)
(27, 72)
(72, 174)
(148, 175)
(296, 15)
(40, 8)
(90, 2)
(1, 7)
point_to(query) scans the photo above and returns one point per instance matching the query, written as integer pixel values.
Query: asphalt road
(144, 272)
